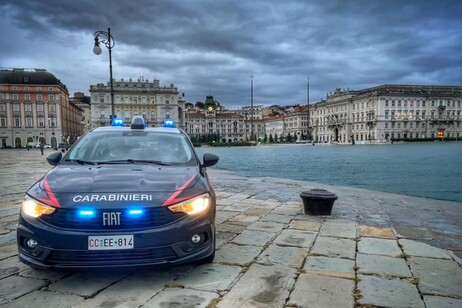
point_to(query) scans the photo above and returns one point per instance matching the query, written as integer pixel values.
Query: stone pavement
(376, 249)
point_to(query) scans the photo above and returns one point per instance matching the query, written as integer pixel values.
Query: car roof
(147, 129)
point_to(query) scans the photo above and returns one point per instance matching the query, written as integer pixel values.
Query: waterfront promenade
(377, 249)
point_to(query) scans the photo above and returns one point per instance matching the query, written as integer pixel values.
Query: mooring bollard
(318, 201)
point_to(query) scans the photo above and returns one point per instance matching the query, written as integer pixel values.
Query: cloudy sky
(213, 45)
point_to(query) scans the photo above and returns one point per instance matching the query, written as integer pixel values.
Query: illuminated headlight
(34, 208)
(192, 206)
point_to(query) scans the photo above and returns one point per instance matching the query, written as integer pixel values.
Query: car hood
(119, 179)
(117, 186)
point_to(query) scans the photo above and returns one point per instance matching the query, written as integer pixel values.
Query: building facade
(34, 108)
(137, 97)
(400, 112)
(215, 124)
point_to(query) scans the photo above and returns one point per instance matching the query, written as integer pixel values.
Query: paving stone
(86, 283)
(175, 297)
(338, 229)
(46, 299)
(223, 216)
(223, 238)
(267, 226)
(260, 286)
(13, 287)
(238, 207)
(245, 218)
(234, 227)
(322, 291)
(382, 265)
(437, 276)
(285, 256)
(305, 225)
(8, 238)
(377, 246)
(442, 302)
(8, 251)
(210, 277)
(44, 274)
(237, 254)
(256, 211)
(288, 210)
(334, 247)
(256, 238)
(417, 249)
(291, 237)
(341, 268)
(383, 292)
(277, 218)
(131, 291)
(11, 266)
(380, 232)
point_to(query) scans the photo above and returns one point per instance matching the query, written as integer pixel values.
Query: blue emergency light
(168, 122)
(118, 122)
(86, 213)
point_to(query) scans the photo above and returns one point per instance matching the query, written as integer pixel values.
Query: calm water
(432, 170)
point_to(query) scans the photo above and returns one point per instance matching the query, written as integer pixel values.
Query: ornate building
(387, 112)
(35, 107)
(137, 97)
(215, 124)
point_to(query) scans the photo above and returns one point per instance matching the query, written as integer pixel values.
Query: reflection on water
(431, 170)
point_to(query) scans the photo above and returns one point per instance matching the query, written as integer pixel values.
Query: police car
(121, 196)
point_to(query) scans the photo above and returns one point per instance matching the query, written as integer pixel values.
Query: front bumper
(59, 248)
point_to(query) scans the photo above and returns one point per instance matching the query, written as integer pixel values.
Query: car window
(128, 145)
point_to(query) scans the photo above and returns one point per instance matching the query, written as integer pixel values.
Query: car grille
(151, 218)
(110, 257)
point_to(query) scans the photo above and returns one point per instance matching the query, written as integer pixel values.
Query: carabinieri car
(121, 196)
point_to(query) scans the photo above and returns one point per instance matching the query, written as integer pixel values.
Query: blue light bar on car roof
(168, 122)
(118, 122)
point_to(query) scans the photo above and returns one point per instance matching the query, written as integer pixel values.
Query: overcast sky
(212, 45)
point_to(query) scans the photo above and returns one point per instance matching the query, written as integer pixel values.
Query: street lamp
(109, 43)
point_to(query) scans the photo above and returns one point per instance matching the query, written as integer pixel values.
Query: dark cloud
(216, 45)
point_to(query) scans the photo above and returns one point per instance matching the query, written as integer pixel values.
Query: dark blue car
(121, 196)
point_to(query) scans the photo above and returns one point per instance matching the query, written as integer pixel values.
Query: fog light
(31, 243)
(196, 238)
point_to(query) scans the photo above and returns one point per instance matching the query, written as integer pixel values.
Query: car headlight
(34, 208)
(192, 206)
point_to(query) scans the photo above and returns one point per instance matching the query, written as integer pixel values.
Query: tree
(275, 137)
(265, 139)
(289, 137)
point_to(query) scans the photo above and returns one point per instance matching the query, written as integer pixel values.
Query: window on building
(399, 103)
(29, 122)
(40, 107)
(51, 107)
(433, 103)
(51, 97)
(39, 97)
(17, 122)
(41, 122)
(101, 98)
(27, 97)
(16, 107)
(386, 114)
(2, 107)
(28, 107)
(50, 88)
(2, 122)
(15, 96)
(386, 125)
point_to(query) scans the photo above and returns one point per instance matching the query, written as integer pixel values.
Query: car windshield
(125, 146)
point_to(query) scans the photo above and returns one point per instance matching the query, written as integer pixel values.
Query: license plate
(110, 242)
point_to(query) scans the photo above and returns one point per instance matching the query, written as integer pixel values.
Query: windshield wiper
(133, 161)
(82, 162)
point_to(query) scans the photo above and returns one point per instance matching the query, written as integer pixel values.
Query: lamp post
(109, 43)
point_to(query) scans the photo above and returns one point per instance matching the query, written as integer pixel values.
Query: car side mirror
(210, 160)
(54, 158)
